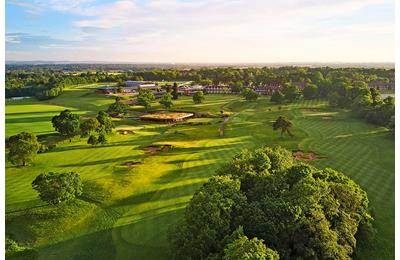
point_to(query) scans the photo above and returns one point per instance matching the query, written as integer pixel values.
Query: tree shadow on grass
(113, 242)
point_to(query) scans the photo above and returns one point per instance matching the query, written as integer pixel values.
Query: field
(143, 192)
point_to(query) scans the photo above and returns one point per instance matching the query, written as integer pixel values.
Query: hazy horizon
(208, 31)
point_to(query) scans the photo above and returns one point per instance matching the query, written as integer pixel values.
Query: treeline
(207, 76)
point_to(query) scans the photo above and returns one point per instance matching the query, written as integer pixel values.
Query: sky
(201, 30)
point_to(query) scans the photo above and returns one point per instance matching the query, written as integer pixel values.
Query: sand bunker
(307, 156)
(131, 163)
(310, 109)
(125, 132)
(157, 148)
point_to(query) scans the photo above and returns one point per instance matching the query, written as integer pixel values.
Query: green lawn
(146, 200)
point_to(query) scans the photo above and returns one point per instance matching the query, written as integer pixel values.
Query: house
(105, 90)
(134, 86)
(381, 85)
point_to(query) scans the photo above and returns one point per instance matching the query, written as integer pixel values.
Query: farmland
(145, 191)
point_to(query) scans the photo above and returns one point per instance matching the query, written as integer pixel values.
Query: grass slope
(146, 200)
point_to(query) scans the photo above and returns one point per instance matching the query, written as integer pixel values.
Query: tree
(278, 97)
(118, 107)
(89, 126)
(298, 210)
(92, 140)
(244, 248)
(310, 91)
(283, 124)
(145, 98)
(166, 100)
(102, 139)
(291, 92)
(105, 123)
(55, 187)
(249, 94)
(198, 97)
(23, 148)
(66, 123)
(175, 93)
(207, 219)
(237, 87)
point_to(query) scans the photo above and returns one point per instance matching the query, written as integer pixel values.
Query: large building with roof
(134, 86)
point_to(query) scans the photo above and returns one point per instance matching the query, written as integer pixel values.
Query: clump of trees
(198, 97)
(166, 100)
(118, 107)
(69, 124)
(101, 124)
(23, 148)
(145, 98)
(283, 124)
(291, 92)
(249, 94)
(263, 204)
(55, 188)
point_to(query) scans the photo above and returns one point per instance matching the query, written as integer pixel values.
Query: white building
(133, 86)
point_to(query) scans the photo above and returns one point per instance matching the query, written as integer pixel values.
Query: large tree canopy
(66, 123)
(58, 187)
(23, 148)
(297, 210)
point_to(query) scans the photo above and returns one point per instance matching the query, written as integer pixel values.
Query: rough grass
(144, 201)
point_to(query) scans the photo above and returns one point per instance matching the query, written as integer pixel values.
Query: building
(268, 89)
(105, 90)
(300, 85)
(218, 90)
(381, 85)
(134, 86)
(190, 90)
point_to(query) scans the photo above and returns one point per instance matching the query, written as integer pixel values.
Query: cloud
(217, 30)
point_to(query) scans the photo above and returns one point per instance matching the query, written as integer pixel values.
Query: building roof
(105, 87)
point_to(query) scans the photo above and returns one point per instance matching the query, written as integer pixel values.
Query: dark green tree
(145, 98)
(102, 139)
(92, 140)
(175, 93)
(89, 126)
(283, 124)
(249, 94)
(55, 187)
(166, 100)
(237, 87)
(118, 107)
(207, 219)
(105, 123)
(198, 97)
(291, 92)
(66, 123)
(310, 91)
(23, 148)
